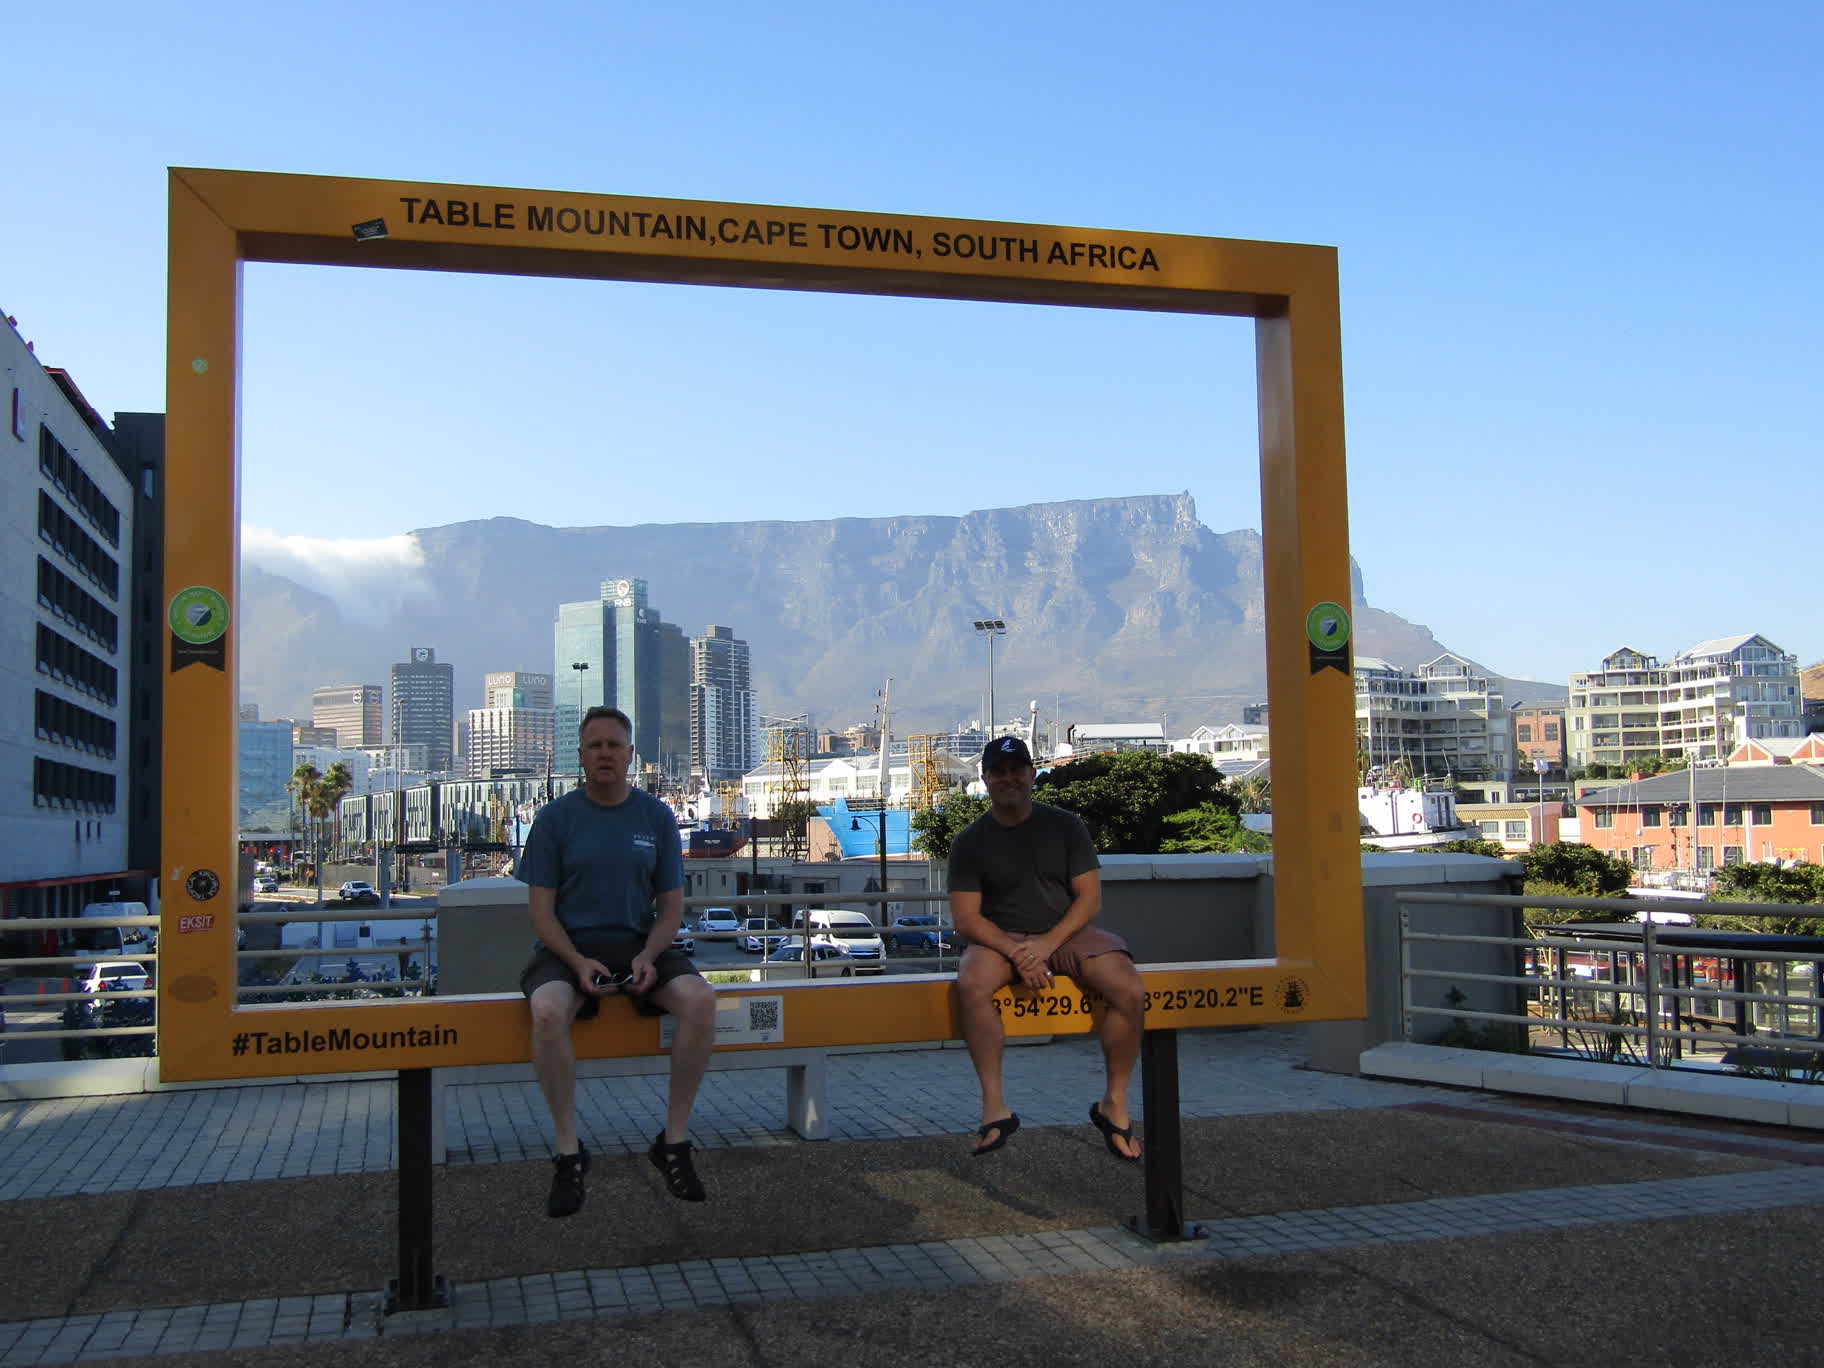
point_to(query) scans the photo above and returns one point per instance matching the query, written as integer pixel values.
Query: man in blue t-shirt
(605, 877)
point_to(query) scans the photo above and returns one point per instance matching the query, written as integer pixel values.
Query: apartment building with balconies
(1700, 704)
(1444, 719)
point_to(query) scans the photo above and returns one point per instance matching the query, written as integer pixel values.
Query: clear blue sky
(1579, 242)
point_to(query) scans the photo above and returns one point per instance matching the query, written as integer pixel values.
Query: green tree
(1125, 798)
(1212, 829)
(934, 828)
(1573, 871)
(1493, 849)
(1255, 793)
(1767, 883)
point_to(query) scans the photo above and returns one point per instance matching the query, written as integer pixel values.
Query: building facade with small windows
(353, 711)
(78, 664)
(1709, 817)
(1539, 735)
(424, 691)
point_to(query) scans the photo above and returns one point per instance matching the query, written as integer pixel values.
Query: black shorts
(615, 949)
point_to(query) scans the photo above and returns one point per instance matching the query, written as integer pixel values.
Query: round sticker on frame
(199, 615)
(1327, 626)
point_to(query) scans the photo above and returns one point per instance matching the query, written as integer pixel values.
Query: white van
(851, 931)
(111, 942)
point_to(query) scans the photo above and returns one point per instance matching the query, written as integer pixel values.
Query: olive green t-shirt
(1023, 872)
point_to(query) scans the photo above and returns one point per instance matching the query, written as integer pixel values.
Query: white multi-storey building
(724, 720)
(1701, 704)
(68, 513)
(1442, 719)
(506, 742)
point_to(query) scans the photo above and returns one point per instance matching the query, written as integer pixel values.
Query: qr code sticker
(763, 1014)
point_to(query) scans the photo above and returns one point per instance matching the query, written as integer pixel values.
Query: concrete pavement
(1346, 1221)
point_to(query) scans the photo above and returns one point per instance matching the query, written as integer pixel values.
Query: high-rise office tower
(511, 732)
(724, 732)
(352, 711)
(618, 651)
(423, 706)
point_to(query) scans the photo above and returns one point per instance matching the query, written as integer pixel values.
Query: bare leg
(1117, 980)
(693, 1002)
(982, 974)
(554, 1008)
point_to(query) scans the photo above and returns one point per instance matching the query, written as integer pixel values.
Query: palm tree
(305, 785)
(337, 781)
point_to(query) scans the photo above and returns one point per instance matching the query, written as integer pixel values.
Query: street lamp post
(579, 666)
(990, 628)
(1541, 764)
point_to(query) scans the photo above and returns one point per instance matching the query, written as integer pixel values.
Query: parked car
(266, 883)
(717, 921)
(684, 941)
(759, 935)
(787, 962)
(112, 976)
(101, 1009)
(357, 891)
(924, 935)
(850, 931)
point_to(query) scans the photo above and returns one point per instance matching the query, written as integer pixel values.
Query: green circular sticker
(1327, 625)
(199, 615)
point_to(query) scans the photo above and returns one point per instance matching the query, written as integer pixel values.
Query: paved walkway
(1286, 1163)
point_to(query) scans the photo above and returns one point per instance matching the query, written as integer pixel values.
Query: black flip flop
(1110, 1130)
(1007, 1125)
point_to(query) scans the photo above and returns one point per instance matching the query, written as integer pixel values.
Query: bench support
(1163, 1220)
(418, 1287)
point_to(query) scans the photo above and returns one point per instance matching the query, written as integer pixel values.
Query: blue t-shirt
(607, 864)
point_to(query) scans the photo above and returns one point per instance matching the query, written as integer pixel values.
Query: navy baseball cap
(1005, 750)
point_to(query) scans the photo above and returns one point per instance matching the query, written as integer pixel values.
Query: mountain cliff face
(1123, 608)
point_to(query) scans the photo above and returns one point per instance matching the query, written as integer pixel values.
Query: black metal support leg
(1164, 1156)
(418, 1287)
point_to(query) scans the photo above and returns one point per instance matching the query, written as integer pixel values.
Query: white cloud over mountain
(370, 580)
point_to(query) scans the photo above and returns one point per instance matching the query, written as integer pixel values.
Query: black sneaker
(680, 1174)
(567, 1183)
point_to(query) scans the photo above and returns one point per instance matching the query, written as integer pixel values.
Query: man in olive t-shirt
(1025, 890)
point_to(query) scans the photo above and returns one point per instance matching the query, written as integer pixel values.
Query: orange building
(1748, 812)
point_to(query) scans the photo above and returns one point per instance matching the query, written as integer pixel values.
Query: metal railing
(1654, 1000)
(63, 968)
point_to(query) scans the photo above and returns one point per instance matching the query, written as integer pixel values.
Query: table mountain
(1121, 608)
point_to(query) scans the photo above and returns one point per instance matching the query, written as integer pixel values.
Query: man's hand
(586, 974)
(1031, 960)
(645, 974)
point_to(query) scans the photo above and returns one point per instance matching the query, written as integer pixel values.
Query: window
(1649, 816)
(1516, 831)
(61, 721)
(58, 529)
(71, 786)
(1524, 731)
(1551, 731)
(1732, 814)
(1732, 855)
(1817, 814)
(1643, 857)
(66, 472)
(1706, 814)
(1605, 818)
(65, 661)
(61, 595)
(1491, 831)
(1762, 814)
(1706, 857)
